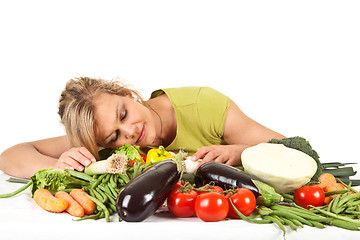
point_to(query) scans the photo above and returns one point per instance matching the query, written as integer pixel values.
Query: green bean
(339, 209)
(102, 206)
(106, 186)
(353, 212)
(335, 203)
(93, 216)
(330, 205)
(113, 190)
(80, 175)
(98, 180)
(106, 190)
(277, 222)
(113, 207)
(347, 186)
(279, 219)
(106, 178)
(96, 194)
(248, 219)
(288, 196)
(349, 197)
(112, 181)
(289, 223)
(355, 203)
(303, 213)
(340, 191)
(336, 216)
(317, 224)
(16, 191)
(121, 182)
(104, 197)
(297, 223)
(344, 224)
(291, 215)
(125, 178)
(91, 192)
(111, 200)
(264, 210)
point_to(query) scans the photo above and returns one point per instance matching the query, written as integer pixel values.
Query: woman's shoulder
(189, 94)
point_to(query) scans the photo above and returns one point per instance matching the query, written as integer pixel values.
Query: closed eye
(123, 115)
(117, 133)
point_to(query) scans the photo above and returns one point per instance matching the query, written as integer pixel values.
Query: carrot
(80, 196)
(326, 179)
(332, 187)
(47, 201)
(74, 208)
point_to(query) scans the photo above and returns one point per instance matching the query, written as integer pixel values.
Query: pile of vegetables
(100, 184)
(303, 192)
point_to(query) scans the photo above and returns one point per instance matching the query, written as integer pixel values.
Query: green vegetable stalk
(115, 160)
(268, 196)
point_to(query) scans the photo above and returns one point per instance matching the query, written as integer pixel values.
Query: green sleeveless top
(200, 115)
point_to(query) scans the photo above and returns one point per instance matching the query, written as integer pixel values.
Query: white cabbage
(285, 169)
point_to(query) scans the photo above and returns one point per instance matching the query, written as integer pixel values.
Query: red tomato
(211, 207)
(143, 157)
(309, 195)
(131, 163)
(178, 184)
(244, 200)
(211, 188)
(181, 204)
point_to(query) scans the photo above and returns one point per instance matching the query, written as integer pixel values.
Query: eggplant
(224, 176)
(143, 195)
(228, 177)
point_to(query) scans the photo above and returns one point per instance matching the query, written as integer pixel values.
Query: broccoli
(304, 146)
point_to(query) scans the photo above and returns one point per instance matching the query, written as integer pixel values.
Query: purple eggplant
(228, 177)
(143, 195)
(224, 176)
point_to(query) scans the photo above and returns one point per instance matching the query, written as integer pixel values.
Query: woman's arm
(24, 159)
(240, 132)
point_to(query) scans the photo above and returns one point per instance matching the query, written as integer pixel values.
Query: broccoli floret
(304, 146)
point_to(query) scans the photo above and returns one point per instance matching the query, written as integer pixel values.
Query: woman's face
(120, 120)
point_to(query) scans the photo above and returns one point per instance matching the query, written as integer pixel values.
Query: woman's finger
(220, 159)
(201, 152)
(74, 164)
(79, 157)
(84, 151)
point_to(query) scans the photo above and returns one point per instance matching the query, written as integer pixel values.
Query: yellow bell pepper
(159, 154)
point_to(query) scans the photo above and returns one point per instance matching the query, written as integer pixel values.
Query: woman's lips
(142, 135)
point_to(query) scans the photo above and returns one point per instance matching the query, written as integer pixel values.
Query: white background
(293, 66)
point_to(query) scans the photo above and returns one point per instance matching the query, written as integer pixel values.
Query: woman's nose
(128, 131)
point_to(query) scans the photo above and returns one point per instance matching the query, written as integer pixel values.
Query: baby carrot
(47, 201)
(80, 196)
(326, 179)
(74, 208)
(332, 187)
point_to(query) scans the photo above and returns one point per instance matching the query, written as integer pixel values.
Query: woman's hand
(228, 154)
(75, 158)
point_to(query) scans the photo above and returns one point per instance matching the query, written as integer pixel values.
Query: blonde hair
(76, 108)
